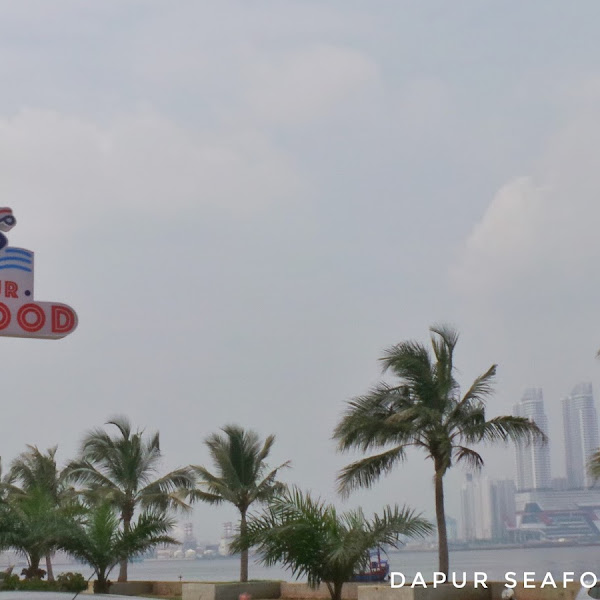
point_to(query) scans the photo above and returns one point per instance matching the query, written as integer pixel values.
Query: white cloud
(506, 242)
(78, 171)
(544, 226)
(526, 277)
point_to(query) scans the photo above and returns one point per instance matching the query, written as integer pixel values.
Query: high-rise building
(503, 508)
(451, 528)
(560, 484)
(488, 508)
(581, 434)
(476, 508)
(467, 510)
(533, 460)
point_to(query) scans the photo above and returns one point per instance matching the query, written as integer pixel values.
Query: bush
(71, 582)
(10, 582)
(65, 582)
(37, 585)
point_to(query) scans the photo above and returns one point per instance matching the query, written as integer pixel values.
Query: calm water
(493, 562)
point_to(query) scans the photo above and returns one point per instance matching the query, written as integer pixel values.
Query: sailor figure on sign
(7, 222)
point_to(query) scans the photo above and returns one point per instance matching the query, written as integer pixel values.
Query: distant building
(581, 434)
(451, 529)
(503, 508)
(488, 508)
(189, 540)
(226, 538)
(560, 484)
(533, 460)
(570, 515)
(476, 508)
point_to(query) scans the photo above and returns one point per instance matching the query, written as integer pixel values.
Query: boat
(378, 568)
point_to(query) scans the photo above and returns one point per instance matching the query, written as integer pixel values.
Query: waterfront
(493, 562)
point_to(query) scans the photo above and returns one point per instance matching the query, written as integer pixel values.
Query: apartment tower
(580, 423)
(533, 460)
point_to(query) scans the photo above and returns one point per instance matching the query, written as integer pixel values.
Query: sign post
(20, 315)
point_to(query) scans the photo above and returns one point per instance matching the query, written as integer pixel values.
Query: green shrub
(65, 582)
(10, 582)
(38, 585)
(71, 582)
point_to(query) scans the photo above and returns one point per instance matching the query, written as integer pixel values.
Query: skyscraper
(533, 460)
(503, 508)
(487, 507)
(476, 508)
(581, 434)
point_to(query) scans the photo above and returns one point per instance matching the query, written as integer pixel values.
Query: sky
(247, 202)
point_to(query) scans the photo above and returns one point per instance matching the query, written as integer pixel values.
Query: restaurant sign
(20, 315)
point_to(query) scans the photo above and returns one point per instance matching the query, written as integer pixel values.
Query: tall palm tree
(122, 468)
(36, 470)
(314, 541)
(425, 410)
(242, 476)
(102, 544)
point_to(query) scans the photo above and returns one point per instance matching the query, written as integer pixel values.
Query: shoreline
(474, 547)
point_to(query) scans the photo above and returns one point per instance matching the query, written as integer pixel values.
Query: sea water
(493, 562)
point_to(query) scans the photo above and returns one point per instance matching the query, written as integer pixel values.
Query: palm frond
(469, 456)
(365, 472)
(593, 465)
(123, 424)
(370, 420)
(481, 389)
(313, 540)
(180, 479)
(505, 428)
(195, 495)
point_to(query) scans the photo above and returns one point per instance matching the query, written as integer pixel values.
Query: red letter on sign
(10, 289)
(63, 319)
(5, 316)
(37, 311)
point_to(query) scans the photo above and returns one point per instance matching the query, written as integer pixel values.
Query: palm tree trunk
(244, 558)
(101, 585)
(34, 565)
(440, 513)
(126, 515)
(123, 570)
(49, 571)
(335, 589)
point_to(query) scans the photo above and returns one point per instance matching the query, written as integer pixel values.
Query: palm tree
(425, 410)
(31, 524)
(122, 469)
(314, 541)
(242, 476)
(102, 543)
(33, 470)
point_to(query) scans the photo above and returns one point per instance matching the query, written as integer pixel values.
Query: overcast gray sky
(246, 202)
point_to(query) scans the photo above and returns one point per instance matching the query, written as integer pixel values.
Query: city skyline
(538, 502)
